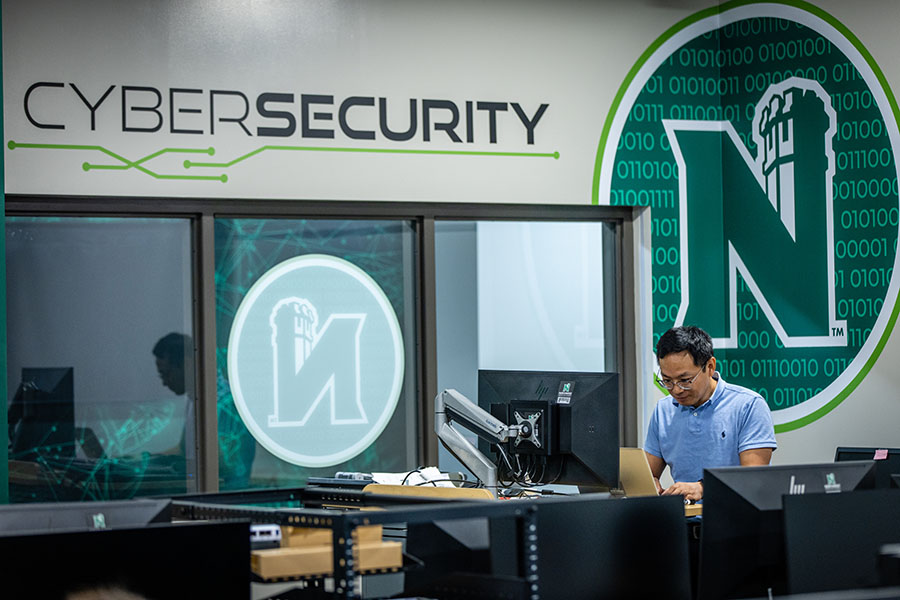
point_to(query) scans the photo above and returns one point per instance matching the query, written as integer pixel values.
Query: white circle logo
(315, 360)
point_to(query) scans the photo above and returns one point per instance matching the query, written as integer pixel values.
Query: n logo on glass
(315, 360)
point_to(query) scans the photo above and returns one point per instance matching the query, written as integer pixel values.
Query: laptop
(634, 473)
(91, 446)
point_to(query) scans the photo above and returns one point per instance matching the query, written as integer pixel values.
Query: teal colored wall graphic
(766, 150)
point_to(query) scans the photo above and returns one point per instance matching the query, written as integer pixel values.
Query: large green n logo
(769, 219)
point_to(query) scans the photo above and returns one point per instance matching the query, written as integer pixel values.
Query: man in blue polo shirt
(705, 422)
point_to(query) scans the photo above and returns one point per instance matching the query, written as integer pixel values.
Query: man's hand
(692, 491)
(659, 487)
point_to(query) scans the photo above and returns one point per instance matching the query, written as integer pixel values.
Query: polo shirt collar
(717, 393)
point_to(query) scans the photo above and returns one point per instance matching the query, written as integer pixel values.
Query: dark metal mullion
(205, 329)
(428, 340)
(614, 251)
(340, 209)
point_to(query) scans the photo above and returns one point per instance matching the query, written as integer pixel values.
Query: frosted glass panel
(540, 296)
(521, 296)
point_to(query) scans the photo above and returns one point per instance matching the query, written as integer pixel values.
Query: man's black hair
(174, 347)
(692, 339)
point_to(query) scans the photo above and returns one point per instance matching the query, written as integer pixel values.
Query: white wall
(572, 55)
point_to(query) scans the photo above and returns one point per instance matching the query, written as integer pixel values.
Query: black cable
(419, 471)
(505, 457)
(509, 476)
(503, 474)
(471, 484)
(562, 466)
(540, 478)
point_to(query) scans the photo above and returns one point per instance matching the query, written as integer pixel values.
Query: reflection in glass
(89, 301)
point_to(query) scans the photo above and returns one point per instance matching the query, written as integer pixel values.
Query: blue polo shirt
(689, 440)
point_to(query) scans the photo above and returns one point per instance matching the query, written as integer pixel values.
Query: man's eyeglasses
(684, 384)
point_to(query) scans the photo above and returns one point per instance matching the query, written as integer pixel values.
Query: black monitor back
(742, 542)
(632, 548)
(832, 541)
(582, 441)
(887, 462)
(18, 519)
(588, 547)
(159, 562)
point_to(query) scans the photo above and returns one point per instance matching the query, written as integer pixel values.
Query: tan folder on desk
(425, 491)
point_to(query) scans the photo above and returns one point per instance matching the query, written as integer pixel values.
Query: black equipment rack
(327, 508)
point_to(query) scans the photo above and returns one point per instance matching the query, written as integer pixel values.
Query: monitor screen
(843, 554)
(742, 541)
(887, 462)
(573, 423)
(18, 519)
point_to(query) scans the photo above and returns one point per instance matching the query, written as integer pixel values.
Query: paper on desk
(430, 476)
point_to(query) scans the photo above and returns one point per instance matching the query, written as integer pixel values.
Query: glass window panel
(315, 375)
(522, 296)
(100, 401)
(541, 296)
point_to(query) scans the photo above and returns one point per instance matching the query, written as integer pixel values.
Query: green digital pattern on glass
(807, 100)
(248, 248)
(68, 448)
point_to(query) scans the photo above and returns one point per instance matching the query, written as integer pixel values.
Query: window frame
(203, 212)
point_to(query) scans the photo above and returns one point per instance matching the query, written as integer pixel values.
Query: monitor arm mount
(451, 407)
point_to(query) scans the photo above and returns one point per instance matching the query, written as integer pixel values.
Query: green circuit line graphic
(224, 165)
(125, 164)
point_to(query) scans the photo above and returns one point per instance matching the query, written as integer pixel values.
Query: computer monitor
(833, 541)
(575, 422)
(618, 543)
(42, 414)
(172, 561)
(742, 541)
(887, 461)
(20, 519)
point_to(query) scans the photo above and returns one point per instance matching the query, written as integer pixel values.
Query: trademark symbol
(837, 331)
